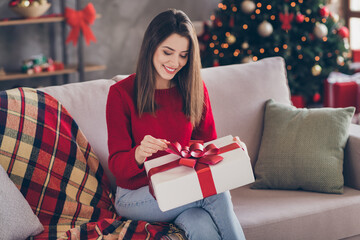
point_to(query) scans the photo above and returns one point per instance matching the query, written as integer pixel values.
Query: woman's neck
(164, 84)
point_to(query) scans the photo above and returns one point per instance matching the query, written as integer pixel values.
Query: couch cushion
(303, 148)
(86, 102)
(238, 93)
(17, 220)
(352, 158)
(279, 214)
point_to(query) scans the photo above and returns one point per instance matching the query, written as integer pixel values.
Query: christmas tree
(305, 33)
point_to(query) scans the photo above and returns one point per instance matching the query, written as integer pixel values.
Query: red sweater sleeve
(206, 130)
(121, 161)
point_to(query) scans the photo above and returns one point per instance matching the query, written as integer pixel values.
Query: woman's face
(170, 56)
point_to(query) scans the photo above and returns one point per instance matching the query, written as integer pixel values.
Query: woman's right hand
(148, 146)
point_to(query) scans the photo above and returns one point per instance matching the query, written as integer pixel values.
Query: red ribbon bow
(80, 20)
(195, 153)
(201, 159)
(286, 20)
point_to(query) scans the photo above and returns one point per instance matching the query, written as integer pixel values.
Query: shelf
(52, 18)
(68, 70)
(44, 19)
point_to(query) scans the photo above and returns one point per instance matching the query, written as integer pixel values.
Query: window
(353, 22)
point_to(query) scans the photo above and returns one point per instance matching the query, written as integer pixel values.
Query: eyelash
(166, 53)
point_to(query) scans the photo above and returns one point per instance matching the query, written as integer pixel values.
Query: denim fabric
(209, 218)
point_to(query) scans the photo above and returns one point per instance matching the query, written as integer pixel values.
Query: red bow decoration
(201, 159)
(195, 153)
(286, 19)
(80, 20)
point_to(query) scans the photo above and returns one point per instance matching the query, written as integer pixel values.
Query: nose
(174, 60)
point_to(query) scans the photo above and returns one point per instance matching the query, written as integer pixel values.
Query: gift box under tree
(356, 55)
(341, 90)
(182, 184)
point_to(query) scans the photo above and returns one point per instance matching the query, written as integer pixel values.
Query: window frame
(350, 14)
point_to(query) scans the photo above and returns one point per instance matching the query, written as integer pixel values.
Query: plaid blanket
(51, 162)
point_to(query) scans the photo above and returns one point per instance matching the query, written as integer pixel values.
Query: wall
(119, 34)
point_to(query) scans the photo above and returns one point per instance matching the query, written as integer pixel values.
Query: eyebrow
(174, 49)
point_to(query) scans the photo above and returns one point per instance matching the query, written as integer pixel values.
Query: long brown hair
(188, 79)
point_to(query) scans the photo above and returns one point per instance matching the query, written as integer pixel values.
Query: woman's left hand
(242, 144)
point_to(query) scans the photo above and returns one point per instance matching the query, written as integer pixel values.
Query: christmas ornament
(316, 70)
(286, 20)
(308, 11)
(246, 59)
(37, 69)
(300, 18)
(298, 101)
(316, 97)
(245, 45)
(231, 39)
(346, 44)
(38, 64)
(29, 8)
(320, 30)
(340, 60)
(217, 22)
(265, 29)
(13, 3)
(25, 3)
(248, 6)
(216, 63)
(343, 32)
(335, 17)
(324, 11)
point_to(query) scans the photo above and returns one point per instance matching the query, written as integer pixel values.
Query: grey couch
(238, 94)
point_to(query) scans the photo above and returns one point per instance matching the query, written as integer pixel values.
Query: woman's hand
(148, 146)
(242, 144)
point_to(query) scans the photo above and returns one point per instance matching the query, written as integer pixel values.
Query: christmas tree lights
(306, 34)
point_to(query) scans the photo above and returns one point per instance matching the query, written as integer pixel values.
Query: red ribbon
(198, 157)
(196, 153)
(80, 20)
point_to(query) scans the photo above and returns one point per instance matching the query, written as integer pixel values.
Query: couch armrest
(352, 158)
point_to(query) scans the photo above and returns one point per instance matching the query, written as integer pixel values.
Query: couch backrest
(237, 93)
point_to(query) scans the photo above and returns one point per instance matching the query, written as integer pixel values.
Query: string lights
(249, 30)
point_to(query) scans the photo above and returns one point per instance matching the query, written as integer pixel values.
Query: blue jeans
(209, 218)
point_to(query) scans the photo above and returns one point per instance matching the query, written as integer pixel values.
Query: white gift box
(180, 185)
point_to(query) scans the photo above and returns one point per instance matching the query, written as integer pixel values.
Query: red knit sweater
(126, 130)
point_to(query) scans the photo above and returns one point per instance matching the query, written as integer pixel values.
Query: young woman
(165, 101)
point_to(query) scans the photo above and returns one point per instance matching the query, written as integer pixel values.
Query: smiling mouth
(169, 70)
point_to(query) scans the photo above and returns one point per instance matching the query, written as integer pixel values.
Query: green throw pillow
(302, 148)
